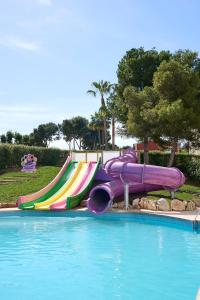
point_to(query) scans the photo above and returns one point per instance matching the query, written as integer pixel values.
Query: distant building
(152, 146)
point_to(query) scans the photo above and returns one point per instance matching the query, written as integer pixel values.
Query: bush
(10, 155)
(194, 168)
(189, 164)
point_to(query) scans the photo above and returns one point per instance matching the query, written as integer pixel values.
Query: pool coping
(192, 216)
(141, 216)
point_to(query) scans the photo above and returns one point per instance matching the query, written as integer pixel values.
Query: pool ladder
(198, 295)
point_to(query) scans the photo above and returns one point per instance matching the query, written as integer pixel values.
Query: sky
(51, 51)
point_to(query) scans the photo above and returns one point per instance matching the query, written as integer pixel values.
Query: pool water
(59, 258)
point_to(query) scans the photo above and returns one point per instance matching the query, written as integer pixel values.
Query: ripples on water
(85, 258)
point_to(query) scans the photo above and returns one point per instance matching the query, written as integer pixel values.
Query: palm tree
(102, 88)
(112, 105)
(96, 124)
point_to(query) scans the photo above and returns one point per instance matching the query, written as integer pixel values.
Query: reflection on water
(88, 258)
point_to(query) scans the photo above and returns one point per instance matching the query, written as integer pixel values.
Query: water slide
(81, 186)
(140, 178)
(67, 193)
(28, 201)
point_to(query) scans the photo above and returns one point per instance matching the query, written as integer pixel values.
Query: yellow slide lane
(69, 183)
(76, 183)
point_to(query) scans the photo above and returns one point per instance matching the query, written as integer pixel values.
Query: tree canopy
(159, 95)
(141, 103)
(74, 130)
(178, 109)
(137, 67)
(44, 134)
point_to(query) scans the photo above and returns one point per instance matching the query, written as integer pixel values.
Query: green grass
(25, 183)
(189, 191)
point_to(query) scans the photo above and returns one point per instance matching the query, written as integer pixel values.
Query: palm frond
(102, 87)
(97, 85)
(91, 92)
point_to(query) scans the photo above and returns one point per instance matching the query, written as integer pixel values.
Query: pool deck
(185, 215)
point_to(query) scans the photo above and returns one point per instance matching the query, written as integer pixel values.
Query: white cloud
(31, 112)
(71, 20)
(4, 109)
(14, 42)
(56, 17)
(44, 2)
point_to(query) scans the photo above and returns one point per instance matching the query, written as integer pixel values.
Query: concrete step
(14, 178)
(8, 180)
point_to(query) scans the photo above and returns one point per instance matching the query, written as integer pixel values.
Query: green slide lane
(51, 192)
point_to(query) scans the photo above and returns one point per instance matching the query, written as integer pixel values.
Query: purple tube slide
(141, 178)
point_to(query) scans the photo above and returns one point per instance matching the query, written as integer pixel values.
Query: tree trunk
(103, 105)
(99, 138)
(113, 132)
(188, 147)
(74, 148)
(146, 154)
(173, 151)
(77, 144)
(69, 144)
(105, 133)
(94, 145)
(102, 139)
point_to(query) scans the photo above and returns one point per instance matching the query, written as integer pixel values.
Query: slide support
(126, 195)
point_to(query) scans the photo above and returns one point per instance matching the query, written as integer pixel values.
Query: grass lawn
(15, 184)
(189, 191)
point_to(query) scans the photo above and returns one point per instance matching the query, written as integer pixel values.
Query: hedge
(10, 155)
(189, 164)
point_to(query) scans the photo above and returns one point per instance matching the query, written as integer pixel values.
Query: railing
(94, 155)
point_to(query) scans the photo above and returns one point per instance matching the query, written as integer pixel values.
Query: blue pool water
(85, 258)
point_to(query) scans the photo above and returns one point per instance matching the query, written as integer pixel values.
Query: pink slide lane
(34, 196)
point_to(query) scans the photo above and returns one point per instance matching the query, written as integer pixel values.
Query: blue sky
(51, 50)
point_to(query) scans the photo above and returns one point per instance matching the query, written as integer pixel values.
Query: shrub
(193, 170)
(10, 155)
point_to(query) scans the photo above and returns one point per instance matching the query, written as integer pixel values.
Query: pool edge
(190, 218)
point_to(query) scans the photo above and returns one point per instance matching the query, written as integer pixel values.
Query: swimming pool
(117, 256)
